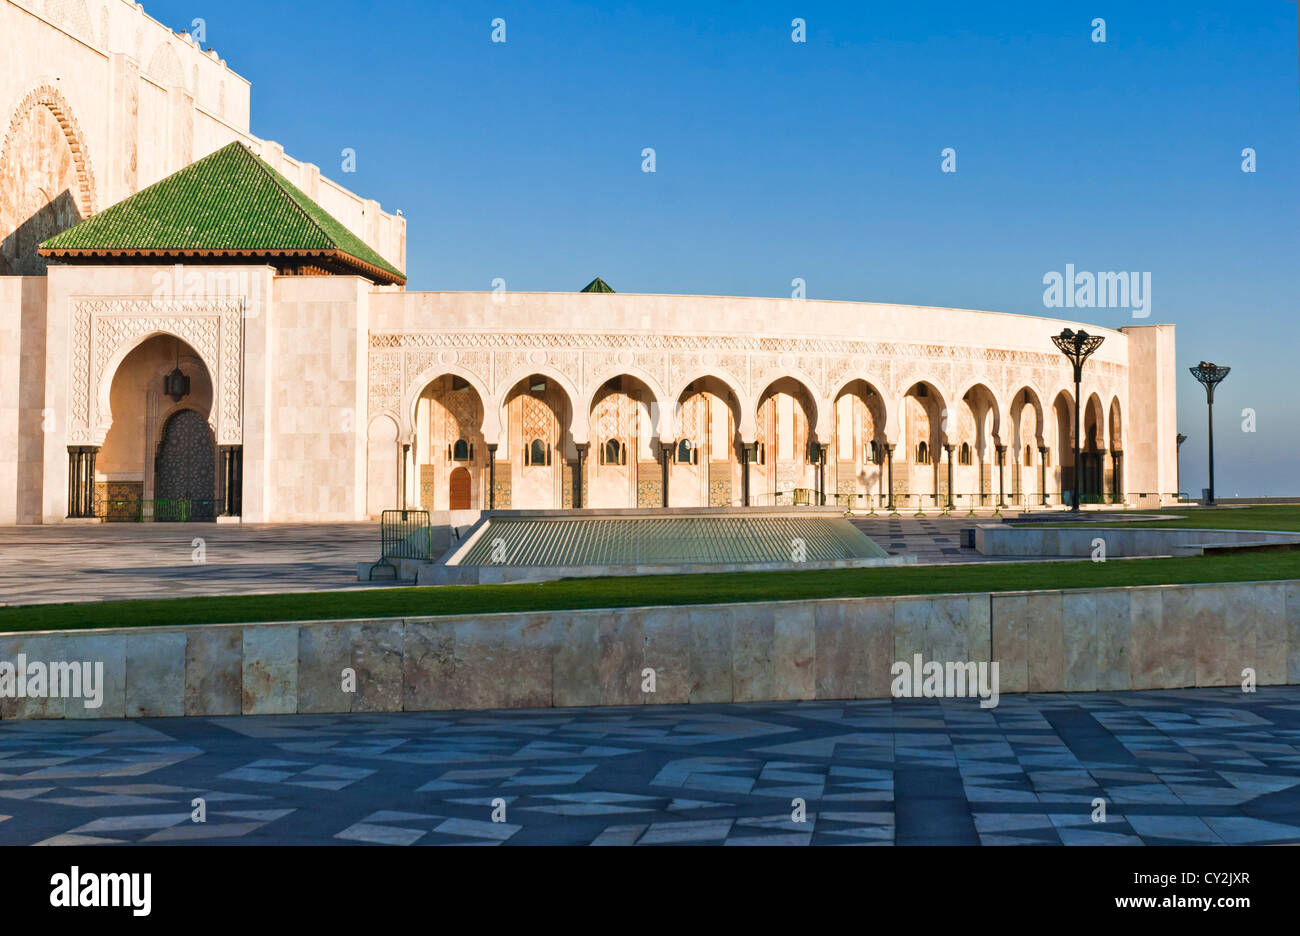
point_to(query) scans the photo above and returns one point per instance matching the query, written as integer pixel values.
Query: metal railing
(405, 534)
(938, 503)
(156, 510)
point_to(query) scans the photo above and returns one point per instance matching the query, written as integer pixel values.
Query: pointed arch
(1028, 395)
(1116, 426)
(745, 425)
(1094, 424)
(819, 427)
(104, 388)
(598, 380)
(981, 392)
(417, 386)
(165, 66)
(579, 429)
(39, 201)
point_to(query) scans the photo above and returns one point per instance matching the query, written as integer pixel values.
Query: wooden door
(459, 494)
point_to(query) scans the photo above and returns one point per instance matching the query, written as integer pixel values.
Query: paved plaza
(1206, 766)
(115, 561)
(932, 539)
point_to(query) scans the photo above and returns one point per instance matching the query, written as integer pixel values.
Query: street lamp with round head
(1210, 376)
(1077, 346)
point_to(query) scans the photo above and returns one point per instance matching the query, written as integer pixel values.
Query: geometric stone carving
(106, 329)
(385, 381)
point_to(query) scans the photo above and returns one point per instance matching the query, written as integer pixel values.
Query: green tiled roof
(579, 541)
(597, 285)
(228, 201)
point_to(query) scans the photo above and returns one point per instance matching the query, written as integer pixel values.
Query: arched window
(922, 454)
(613, 452)
(537, 453)
(964, 457)
(1029, 456)
(460, 451)
(686, 452)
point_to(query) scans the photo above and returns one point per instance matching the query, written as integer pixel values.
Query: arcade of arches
(699, 456)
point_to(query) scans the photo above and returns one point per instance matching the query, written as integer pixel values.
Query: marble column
(889, 459)
(1002, 467)
(81, 480)
(582, 462)
(948, 449)
(665, 452)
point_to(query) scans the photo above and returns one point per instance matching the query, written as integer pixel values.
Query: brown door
(460, 489)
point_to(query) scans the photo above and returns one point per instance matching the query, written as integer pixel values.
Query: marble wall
(1003, 540)
(1157, 637)
(24, 419)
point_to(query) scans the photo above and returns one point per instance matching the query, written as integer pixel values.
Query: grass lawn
(1281, 517)
(573, 594)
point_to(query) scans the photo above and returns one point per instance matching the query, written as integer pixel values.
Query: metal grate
(670, 540)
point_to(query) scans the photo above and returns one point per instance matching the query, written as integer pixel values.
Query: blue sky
(821, 159)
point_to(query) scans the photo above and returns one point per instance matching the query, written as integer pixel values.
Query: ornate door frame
(106, 329)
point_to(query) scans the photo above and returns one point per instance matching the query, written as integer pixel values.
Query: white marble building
(320, 389)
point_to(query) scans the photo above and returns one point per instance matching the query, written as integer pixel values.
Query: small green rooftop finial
(597, 285)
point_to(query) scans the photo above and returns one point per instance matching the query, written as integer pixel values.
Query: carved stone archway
(105, 330)
(47, 183)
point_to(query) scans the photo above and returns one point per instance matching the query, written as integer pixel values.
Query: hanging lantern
(176, 385)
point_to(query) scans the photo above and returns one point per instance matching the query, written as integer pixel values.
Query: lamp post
(1210, 376)
(1178, 462)
(1077, 346)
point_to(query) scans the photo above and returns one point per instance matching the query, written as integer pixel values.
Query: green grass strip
(1285, 518)
(633, 591)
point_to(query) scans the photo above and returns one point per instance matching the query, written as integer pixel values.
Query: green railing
(158, 510)
(405, 534)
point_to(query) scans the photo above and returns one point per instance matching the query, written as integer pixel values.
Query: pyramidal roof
(597, 285)
(228, 204)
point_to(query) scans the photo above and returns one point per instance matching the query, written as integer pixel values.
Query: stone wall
(24, 421)
(1157, 637)
(1005, 540)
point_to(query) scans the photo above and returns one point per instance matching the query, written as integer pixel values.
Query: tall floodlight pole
(1210, 376)
(1077, 346)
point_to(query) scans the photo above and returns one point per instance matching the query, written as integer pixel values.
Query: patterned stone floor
(1174, 767)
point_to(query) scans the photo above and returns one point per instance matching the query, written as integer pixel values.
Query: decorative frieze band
(718, 343)
(499, 359)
